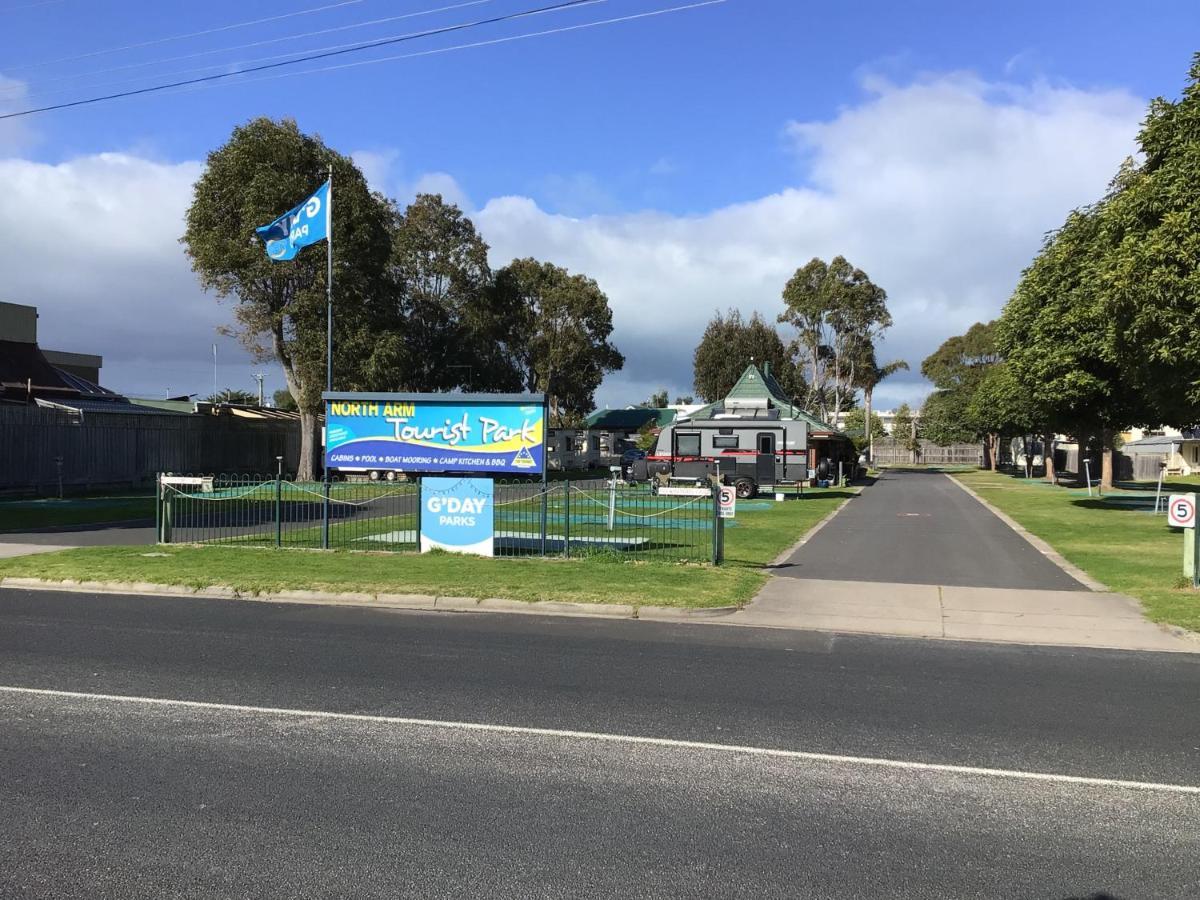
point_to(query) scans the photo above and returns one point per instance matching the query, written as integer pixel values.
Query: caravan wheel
(745, 488)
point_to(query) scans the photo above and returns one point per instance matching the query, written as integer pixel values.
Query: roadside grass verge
(1113, 538)
(761, 533)
(22, 515)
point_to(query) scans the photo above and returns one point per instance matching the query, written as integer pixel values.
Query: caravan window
(687, 444)
(725, 441)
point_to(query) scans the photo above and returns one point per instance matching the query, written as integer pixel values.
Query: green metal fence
(568, 518)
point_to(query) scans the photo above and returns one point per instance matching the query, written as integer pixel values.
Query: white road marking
(670, 743)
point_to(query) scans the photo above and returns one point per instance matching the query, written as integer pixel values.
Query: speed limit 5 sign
(1181, 510)
(727, 502)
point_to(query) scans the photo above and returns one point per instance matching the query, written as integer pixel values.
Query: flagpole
(329, 284)
(328, 350)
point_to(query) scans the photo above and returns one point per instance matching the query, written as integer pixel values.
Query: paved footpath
(917, 555)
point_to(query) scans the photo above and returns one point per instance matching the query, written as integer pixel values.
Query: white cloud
(94, 244)
(376, 166)
(940, 189)
(437, 183)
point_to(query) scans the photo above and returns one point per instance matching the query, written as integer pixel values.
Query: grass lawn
(1113, 538)
(762, 532)
(21, 515)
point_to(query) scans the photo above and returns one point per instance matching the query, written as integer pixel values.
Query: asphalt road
(921, 528)
(123, 798)
(117, 534)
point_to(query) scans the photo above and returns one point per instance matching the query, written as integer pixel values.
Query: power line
(490, 42)
(9, 9)
(35, 88)
(183, 37)
(566, 4)
(475, 44)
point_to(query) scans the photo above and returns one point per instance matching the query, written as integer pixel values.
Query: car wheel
(745, 488)
(373, 475)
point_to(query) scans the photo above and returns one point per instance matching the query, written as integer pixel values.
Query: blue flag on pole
(299, 227)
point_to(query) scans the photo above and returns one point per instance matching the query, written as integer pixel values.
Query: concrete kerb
(1074, 571)
(1037, 543)
(425, 602)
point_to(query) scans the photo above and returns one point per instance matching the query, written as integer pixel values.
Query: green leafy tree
(284, 400)
(868, 373)
(559, 329)
(945, 418)
(961, 361)
(264, 169)
(957, 368)
(233, 395)
(1101, 329)
(729, 344)
(1147, 262)
(647, 438)
(1001, 408)
(855, 426)
(1058, 343)
(657, 400)
(686, 400)
(904, 431)
(837, 312)
(441, 324)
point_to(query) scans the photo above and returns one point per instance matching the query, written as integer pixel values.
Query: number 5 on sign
(1181, 510)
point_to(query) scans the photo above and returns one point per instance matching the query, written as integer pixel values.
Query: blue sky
(667, 128)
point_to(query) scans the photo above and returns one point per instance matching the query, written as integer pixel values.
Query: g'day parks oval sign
(458, 514)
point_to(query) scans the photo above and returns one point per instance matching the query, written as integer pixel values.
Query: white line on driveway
(668, 743)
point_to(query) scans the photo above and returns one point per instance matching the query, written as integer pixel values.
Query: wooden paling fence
(889, 451)
(95, 449)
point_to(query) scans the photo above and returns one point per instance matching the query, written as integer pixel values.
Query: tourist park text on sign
(436, 433)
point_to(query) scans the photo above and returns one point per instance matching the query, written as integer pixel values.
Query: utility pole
(259, 376)
(214, 370)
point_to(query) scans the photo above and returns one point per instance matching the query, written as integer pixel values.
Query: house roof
(631, 419)
(24, 370)
(754, 384)
(1159, 443)
(116, 405)
(175, 406)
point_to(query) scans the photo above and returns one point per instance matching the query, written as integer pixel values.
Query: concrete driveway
(922, 528)
(915, 554)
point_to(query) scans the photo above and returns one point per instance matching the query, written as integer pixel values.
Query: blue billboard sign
(498, 434)
(458, 514)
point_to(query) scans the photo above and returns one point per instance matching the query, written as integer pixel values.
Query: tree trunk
(870, 435)
(913, 446)
(1106, 461)
(306, 465)
(1048, 455)
(309, 439)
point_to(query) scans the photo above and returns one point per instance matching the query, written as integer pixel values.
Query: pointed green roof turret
(757, 385)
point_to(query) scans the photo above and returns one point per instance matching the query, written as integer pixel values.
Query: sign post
(1181, 513)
